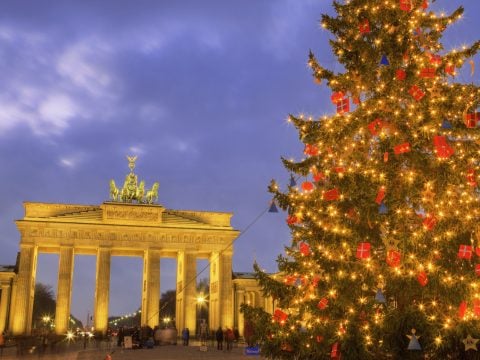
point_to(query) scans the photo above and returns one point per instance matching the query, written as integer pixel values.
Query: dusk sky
(199, 90)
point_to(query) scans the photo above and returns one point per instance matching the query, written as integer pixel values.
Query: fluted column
(186, 291)
(11, 311)
(4, 306)
(22, 322)
(64, 292)
(151, 288)
(240, 299)
(102, 290)
(225, 289)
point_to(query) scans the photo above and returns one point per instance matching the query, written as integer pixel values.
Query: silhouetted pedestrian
(219, 337)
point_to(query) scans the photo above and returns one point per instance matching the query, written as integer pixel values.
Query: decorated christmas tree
(384, 207)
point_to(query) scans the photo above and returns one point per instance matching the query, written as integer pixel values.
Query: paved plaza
(166, 352)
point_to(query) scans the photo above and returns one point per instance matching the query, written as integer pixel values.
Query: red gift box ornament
(335, 353)
(318, 176)
(476, 307)
(311, 150)
(380, 195)
(280, 316)
(375, 126)
(363, 250)
(292, 220)
(427, 73)
(462, 309)
(425, 4)
(416, 92)
(364, 27)
(435, 59)
(471, 177)
(401, 148)
(450, 69)
(442, 148)
(422, 278)
(429, 222)
(331, 195)
(393, 258)
(304, 249)
(290, 279)
(322, 304)
(336, 97)
(307, 186)
(471, 119)
(406, 5)
(465, 252)
(343, 106)
(477, 269)
(400, 74)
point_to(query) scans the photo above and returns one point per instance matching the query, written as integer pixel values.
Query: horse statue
(152, 194)
(140, 192)
(129, 189)
(114, 192)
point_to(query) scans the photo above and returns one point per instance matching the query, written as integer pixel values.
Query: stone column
(13, 301)
(4, 306)
(102, 290)
(240, 299)
(22, 318)
(151, 288)
(225, 289)
(186, 291)
(213, 310)
(64, 292)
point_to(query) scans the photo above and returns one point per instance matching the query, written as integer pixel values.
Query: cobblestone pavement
(166, 352)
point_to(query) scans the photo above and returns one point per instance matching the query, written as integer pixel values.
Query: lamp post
(201, 326)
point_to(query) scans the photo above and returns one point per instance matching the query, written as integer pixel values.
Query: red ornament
(290, 279)
(337, 96)
(465, 252)
(435, 59)
(364, 27)
(393, 258)
(416, 92)
(343, 106)
(401, 74)
(292, 220)
(427, 73)
(477, 269)
(335, 353)
(477, 251)
(401, 148)
(363, 250)
(450, 69)
(429, 222)
(406, 5)
(307, 186)
(462, 309)
(318, 176)
(471, 119)
(304, 249)
(425, 5)
(375, 126)
(476, 307)
(385, 156)
(442, 148)
(422, 278)
(356, 100)
(315, 281)
(471, 177)
(311, 150)
(331, 195)
(280, 316)
(322, 304)
(339, 169)
(319, 338)
(380, 195)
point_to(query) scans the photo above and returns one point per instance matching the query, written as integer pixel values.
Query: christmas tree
(384, 260)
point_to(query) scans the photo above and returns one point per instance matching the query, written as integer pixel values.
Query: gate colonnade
(124, 229)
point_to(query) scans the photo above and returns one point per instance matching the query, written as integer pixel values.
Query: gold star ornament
(470, 343)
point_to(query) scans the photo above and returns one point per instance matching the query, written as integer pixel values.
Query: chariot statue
(132, 191)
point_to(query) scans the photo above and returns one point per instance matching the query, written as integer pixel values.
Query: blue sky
(199, 90)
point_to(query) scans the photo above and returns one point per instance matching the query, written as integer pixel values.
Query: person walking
(185, 336)
(219, 337)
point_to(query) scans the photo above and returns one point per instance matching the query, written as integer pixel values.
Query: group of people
(228, 336)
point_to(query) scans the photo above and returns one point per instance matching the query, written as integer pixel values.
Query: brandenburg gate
(131, 224)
